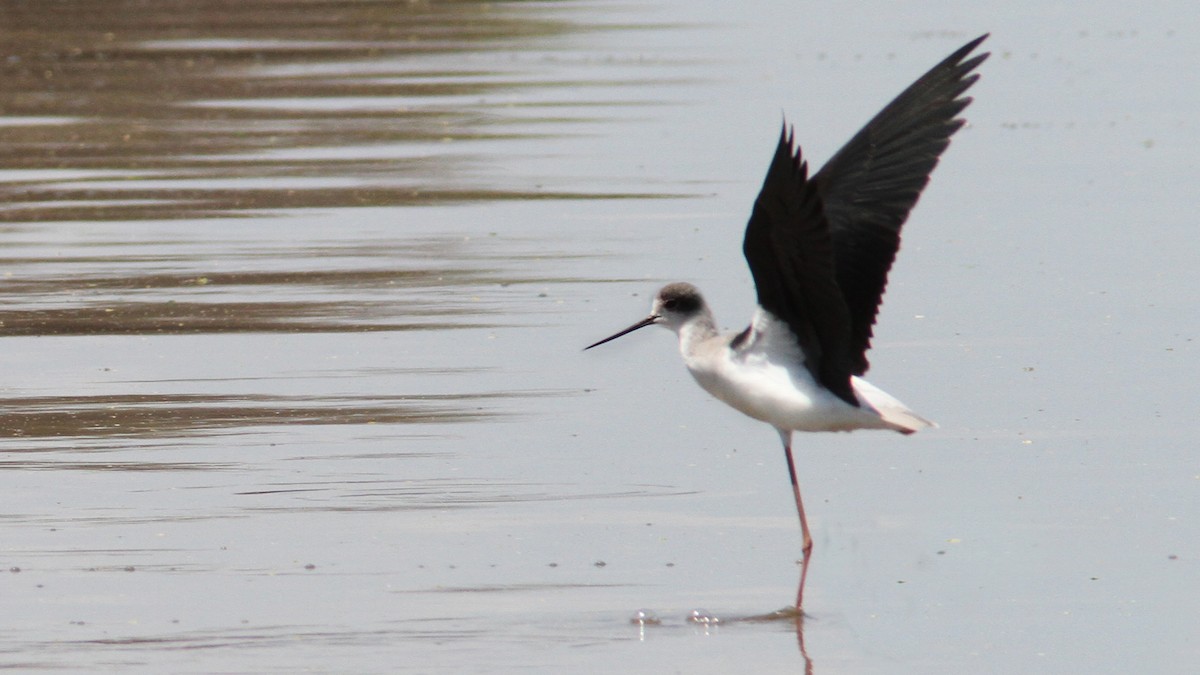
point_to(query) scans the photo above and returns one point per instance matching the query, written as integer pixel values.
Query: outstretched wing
(871, 184)
(820, 248)
(790, 252)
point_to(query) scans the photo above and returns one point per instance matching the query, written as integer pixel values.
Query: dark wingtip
(959, 62)
(974, 62)
(970, 47)
(787, 136)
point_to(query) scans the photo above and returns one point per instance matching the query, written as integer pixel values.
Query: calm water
(292, 302)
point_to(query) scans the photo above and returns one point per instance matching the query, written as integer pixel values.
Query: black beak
(648, 321)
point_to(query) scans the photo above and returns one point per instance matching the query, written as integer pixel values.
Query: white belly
(784, 397)
(765, 378)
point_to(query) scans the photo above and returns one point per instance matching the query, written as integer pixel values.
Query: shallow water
(292, 306)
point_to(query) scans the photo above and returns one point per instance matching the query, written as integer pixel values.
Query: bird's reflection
(808, 662)
(709, 623)
(796, 619)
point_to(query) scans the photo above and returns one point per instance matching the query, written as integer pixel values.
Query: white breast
(765, 378)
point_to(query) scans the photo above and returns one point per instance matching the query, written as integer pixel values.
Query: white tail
(891, 410)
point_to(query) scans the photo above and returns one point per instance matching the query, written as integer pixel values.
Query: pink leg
(806, 548)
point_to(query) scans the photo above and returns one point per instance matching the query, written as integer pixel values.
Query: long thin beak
(648, 321)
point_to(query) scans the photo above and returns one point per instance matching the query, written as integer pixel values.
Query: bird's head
(674, 306)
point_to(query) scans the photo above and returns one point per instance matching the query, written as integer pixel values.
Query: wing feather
(790, 253)
(820, 248)
(869, 186)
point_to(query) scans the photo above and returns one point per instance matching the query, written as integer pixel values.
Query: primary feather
(820, 248)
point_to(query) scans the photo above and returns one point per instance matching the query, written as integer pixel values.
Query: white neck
(694, 331)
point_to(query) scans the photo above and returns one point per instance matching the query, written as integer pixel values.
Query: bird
(819, 249)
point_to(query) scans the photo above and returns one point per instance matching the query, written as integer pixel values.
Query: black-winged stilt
(819, 250)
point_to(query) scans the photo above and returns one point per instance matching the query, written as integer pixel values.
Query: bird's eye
(670, 304)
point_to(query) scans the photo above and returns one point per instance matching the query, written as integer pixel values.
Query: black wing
(790, 253)
(871, 184)
(820, 249)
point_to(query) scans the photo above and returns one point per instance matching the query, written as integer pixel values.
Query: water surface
(292, 303)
